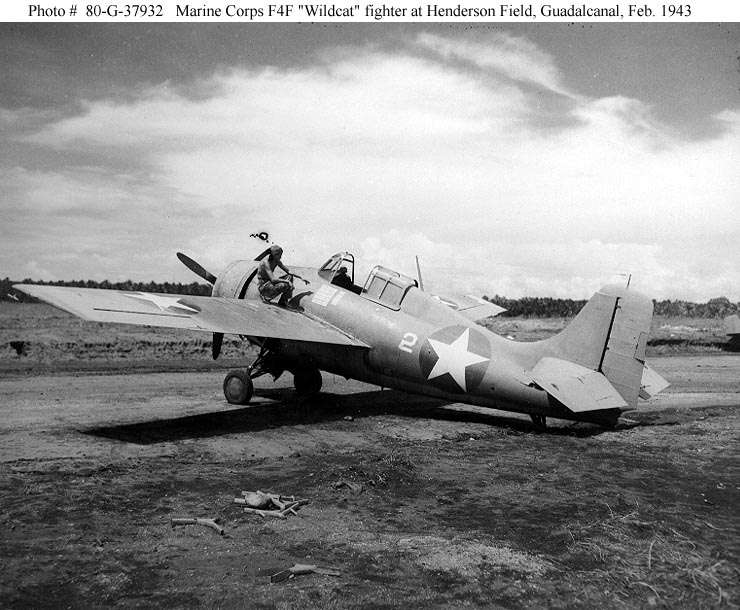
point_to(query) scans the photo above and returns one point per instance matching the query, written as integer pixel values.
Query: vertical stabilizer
(732, 325)
(609, 336)
(584, 340)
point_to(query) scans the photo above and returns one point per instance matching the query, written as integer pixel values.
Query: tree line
(8, 293)
(527, 307)
(546, 307)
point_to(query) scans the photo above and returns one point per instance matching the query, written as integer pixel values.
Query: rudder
(624, 357)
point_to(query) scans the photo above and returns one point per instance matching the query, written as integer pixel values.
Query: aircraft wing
(212, 314)
(473, 308)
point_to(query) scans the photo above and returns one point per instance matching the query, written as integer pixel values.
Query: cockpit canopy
(387, 287)
(383, 285)
(330, 269)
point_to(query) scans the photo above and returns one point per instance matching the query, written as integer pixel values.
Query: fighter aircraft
(391, 333)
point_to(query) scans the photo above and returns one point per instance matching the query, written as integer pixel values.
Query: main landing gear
(238, 385)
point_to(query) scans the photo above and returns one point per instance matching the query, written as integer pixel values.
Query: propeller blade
(196, 268)
(218, 339)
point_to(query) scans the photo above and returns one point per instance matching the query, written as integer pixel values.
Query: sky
(513, 159)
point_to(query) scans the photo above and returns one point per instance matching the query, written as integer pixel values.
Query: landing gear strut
(238, 386)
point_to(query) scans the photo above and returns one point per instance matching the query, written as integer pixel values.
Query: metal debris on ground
(300, 568)
(270, 505)
(205, 522)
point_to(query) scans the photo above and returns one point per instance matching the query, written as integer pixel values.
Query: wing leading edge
(211, 314)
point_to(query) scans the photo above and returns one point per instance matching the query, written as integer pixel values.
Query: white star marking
(162, 302)
(454, 358)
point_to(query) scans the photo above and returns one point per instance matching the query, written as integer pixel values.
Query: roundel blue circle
(455, 358)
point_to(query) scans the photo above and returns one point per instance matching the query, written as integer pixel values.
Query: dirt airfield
(108, 434)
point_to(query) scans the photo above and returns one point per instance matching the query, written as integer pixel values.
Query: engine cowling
(234, 281)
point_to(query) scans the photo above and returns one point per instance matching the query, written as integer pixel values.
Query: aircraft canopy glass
(331, 268)
(387, 287)
(383, 285)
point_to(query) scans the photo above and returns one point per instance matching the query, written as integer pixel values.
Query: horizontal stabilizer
(578, 388)
(652, 383)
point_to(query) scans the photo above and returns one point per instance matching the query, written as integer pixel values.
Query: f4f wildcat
(391, 333)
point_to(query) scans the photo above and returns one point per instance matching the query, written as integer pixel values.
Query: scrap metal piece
(266, 513)
(269, 505)
(205, 522)
(256, 499)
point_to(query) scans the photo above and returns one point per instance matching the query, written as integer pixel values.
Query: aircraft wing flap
(472, 307)
(577, 387)
(219, 314)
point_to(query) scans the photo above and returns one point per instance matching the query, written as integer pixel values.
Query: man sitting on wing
(271, 286)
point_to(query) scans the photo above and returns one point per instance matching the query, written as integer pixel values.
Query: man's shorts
(269, 290)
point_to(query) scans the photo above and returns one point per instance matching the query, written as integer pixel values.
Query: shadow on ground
(282, 409)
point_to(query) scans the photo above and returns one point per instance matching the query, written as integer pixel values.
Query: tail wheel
(238, 387)
(307, 381)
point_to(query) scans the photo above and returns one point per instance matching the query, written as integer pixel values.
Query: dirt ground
(419, 504)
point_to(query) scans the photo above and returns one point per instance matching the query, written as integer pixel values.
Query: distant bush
(721, 307)
(538, 307)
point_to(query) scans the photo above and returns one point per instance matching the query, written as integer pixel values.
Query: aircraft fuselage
(423, 346)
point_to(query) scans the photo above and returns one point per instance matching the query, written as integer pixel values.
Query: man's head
(342, 269)
(276, 251)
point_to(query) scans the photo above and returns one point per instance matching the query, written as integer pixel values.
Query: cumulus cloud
(431, 152)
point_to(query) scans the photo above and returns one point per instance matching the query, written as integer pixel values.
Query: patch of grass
(642, 559)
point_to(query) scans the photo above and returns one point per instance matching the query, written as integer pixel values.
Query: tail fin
(732, 325)
(608, 336)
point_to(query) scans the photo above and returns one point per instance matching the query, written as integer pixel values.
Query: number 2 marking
(408, 341)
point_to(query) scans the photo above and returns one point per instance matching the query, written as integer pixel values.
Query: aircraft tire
(238, 387)
(307, 381)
